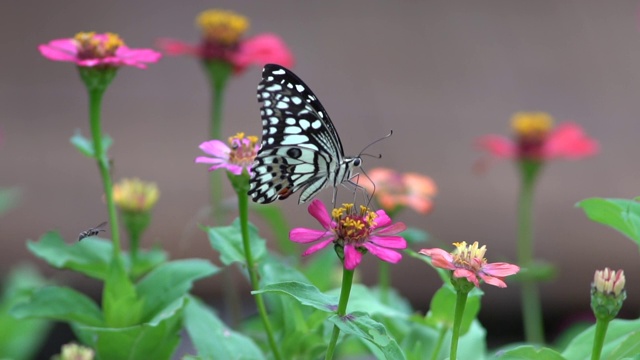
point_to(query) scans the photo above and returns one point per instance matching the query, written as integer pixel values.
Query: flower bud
(607, 293)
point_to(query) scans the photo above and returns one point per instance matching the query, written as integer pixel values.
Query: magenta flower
(536, 139)
(469, 262)
(222, 33)
(89, 49)
(357, 232)
(237, 156)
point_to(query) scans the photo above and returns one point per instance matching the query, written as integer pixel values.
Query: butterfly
(301, 149)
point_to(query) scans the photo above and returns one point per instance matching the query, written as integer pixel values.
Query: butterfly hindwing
(300, 146)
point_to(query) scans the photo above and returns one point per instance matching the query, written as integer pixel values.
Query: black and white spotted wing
(300, 149)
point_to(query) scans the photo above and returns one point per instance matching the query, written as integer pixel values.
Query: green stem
(219, 73)
(243, 205)
(461, 302)
(95, 106)
(439, 343)
(347, 281)
(598, 339)
(531, 308)
(384, 281)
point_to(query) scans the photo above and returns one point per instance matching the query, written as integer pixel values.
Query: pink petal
(177, 47)
(382, 219)
(234, 169)
(569, 140)
(384, 254)
(304, 235)
(137, 57)
(493, 280)
(497, 146)
(468, 274)
(439, 253)
(393, 242)
(500, 269)
(319, 212)
(209, 160)
(261, 50)
(352, 257)
(391, 230)
(59, 50)
(216, 148)
(318, 246)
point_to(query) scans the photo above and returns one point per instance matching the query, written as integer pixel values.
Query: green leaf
(59, 303)
(415, 235)
(227, 240)
(324, 270)
(628, 349)
(146, 261)
(620, 214)
(121, 304)
(362, 326)
(272, 214)
(213, 339)
(529, 352)
(443, 305)
(156, 339)
(9, 198)
(170, 281)
(617, 332)
(90, 256)
(362, 298)
(306, 294)
(20, 338)
(85, 145)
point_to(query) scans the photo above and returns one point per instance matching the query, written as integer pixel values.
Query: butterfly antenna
(376, 141)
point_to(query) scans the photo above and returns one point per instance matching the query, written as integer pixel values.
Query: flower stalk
(241, 186)
(461, 303)
(345, 291)
(607, 296)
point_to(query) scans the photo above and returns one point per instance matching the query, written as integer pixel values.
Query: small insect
(301, 149)
(93, 231)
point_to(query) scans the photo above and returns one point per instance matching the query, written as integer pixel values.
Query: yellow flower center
(353, 226)
(243, 149)
(469, 256)
(222, 26)
(135, 195)
(97, 46)
(531, 124)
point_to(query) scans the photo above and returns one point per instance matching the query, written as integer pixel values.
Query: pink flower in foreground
(394, 190)
(536, 139)
(222, 33)
(469, 262)
(89, 49)
(237, 156)
(357, 232)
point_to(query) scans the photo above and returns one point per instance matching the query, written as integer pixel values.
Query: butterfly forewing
(300, 146)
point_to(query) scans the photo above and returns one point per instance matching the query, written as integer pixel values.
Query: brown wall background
(439, 73)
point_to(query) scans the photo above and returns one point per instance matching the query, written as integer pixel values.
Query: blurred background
(439, 73)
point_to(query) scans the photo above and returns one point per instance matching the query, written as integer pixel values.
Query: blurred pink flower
(357, 232)
(89, 49)
(536, 139)
(236, 157)
(222, 32)
(394, 190)
(469, 262)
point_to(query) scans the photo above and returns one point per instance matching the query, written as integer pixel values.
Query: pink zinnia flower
(536, 139)
(237, 156)
(89, 49)
(357, 232)
(469, 262)
(394, 190)
(222, 40)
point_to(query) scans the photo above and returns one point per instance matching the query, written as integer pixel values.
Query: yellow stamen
(225, 27)
(531, 123)
(135, 195)
(93, 46)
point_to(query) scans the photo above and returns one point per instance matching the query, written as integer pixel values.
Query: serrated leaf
(529, 352)
(628, 349)
(120, 302)
(213, 339)
(170, 281)
(85, 145)
(362, 326)
(306, 294)
(361, 297)
(617, 332)
(156, 339)
(227, 240)
(620, 214)
(59, 303)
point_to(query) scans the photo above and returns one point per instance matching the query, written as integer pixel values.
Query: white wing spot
(274, 120)
(316, 124)
(290, 121)
(282, 105)
(296, 100)
(294, 139)
(292, 130)
(270, 141)
(304, 124)
(279, 72)
(299, 87)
